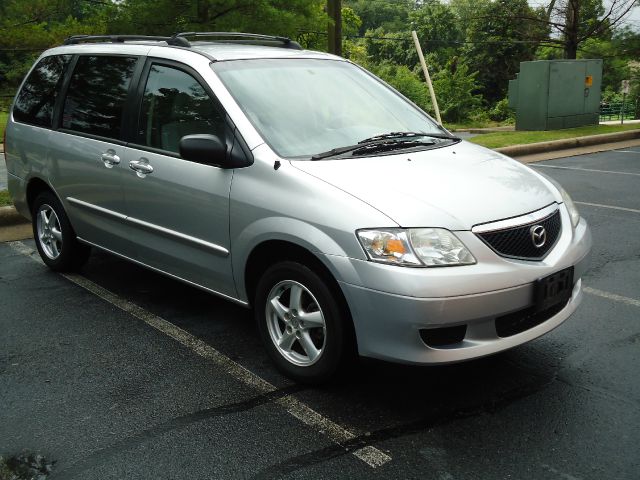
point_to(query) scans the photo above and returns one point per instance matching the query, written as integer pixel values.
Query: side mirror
(201, 148)
(210, 150)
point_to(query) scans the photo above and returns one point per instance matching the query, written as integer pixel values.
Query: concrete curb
(543, 147)
(9, 216)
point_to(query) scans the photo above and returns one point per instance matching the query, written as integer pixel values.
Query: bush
(405, 81)
(454, 87)
(501, 111)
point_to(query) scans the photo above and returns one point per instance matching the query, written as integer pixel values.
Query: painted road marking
(612, 296)
(613, 207)
(587, 169)
(338, 434)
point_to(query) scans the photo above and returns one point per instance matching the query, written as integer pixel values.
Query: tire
(55, 239)
(303, 327)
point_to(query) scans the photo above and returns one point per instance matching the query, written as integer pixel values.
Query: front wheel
(55, 239)
(301, 324)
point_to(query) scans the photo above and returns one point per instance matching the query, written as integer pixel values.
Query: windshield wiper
(388, 141)
(391, 135)
(372, 146)
(390, 145)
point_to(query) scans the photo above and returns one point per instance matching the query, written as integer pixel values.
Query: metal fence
(618, 111)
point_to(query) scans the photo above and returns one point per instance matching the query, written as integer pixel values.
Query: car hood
(454, 187)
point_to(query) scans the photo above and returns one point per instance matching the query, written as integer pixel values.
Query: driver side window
(175, 105)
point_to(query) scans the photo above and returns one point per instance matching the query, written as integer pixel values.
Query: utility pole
(334, 10)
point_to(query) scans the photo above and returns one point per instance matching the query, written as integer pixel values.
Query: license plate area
(553, 289)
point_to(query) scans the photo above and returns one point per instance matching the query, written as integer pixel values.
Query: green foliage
(4, 117)
(405, 81)
(162, 17)
(351, 22)
(496, 50)
(501, 111)
(390, 16)
(454, 87)
(438, 29)
(5, 200)
(395, 47)
(29, 27)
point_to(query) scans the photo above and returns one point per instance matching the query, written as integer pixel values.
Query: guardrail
(618, 111)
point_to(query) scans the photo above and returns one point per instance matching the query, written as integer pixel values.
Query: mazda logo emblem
(538, 236)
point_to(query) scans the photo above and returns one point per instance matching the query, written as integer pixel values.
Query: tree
(164, 17)
(572, 22)
(31, 27)
(391, 16)
(438, 30)
(498, 42)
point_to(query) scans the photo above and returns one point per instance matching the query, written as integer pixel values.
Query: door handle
(141, 167)
(110, 159)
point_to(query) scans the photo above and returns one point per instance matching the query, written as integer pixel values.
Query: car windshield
(305, 106)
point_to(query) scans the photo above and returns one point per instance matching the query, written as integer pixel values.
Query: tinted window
(35, 101)
(97, 94)
(175, 105)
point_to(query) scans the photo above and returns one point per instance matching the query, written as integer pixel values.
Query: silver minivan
(295, 183)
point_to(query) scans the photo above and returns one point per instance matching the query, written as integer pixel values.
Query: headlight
(573, 211)
(415, 247)
(574, 215)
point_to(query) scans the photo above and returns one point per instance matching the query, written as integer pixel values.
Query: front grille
(517, 242)
(522, 320)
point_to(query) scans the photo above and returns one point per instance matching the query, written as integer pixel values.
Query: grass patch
(506, 139)
(5, 199)
(4, 116)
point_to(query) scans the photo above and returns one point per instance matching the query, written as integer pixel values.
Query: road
(121, 373)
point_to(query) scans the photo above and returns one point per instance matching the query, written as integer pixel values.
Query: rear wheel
(301, 324)
(55, 239)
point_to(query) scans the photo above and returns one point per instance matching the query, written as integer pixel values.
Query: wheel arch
(35, 186)
(270, 252)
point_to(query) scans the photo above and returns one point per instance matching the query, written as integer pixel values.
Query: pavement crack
(100, 456)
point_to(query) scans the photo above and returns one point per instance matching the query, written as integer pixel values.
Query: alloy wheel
(49, 231)
(295, 323)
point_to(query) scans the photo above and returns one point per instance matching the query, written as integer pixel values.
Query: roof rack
(180, 39)
(173, 41)
(242, 38)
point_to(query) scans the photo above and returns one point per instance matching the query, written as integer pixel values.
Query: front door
(179, 210)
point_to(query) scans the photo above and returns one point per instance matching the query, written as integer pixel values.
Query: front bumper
(390, 305)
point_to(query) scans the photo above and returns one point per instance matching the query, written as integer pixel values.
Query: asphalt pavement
(121, 373)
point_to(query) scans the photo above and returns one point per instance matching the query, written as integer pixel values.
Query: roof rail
(243, 38)
(180, 39)
(173, 41)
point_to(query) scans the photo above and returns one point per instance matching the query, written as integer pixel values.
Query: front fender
(285, 229)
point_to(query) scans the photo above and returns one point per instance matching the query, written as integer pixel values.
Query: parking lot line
(587, 170)
(614, 207)
(612, 296)
(338, 434)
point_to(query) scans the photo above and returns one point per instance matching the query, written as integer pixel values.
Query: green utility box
(554, 94)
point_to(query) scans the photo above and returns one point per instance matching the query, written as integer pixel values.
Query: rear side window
(97, 94)
(34, 104)
(175, 105)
